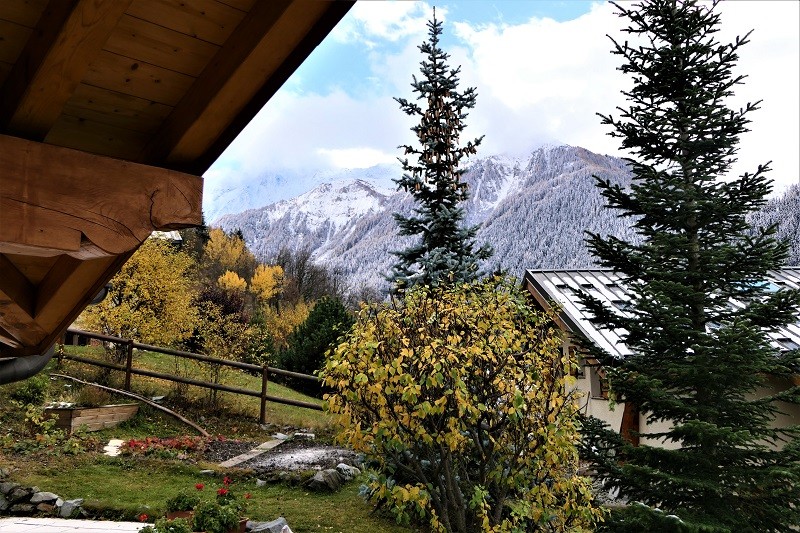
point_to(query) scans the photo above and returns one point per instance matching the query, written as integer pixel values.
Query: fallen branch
(170, 412)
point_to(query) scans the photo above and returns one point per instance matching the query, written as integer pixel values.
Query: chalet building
(110, 113)
(548, 286)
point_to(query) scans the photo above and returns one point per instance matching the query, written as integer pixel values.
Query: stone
(4, 503)
(18, 494)
(260, 483)
(7, 487)
(207, 473)
(304, 435)
(326, 480)
(348, 472)
(46, 508)
(281, 436)
(273, 526)
(40, 497)
(59, 503)
(70, 507)
(22, 508)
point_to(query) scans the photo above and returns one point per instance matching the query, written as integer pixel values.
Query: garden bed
(93, 418)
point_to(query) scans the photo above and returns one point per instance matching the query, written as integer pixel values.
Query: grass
(245, 408)
(122, 488)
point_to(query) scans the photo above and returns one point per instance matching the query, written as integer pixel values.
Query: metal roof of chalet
(559, 285)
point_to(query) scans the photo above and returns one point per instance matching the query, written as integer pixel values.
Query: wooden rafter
(89, 213)
(54, 61)
(262, 53)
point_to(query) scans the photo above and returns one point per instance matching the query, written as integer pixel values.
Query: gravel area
(300, 454)
(289, 456)
(218, 451)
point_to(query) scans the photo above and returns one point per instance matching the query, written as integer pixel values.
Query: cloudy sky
(543, 69)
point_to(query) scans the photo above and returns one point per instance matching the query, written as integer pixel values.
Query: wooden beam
(229, 69)
(53, 62)
(14, 286)
(56, 200)
(262, 53)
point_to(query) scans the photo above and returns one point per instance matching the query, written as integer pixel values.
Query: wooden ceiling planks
(207, 20)
(150, 43)
(53, 63)
(116, 109)
(160, 85)
(12, 40)
(22, 12)
(97, 137)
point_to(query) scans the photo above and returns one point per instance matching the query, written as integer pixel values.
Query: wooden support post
(128, 364)
(262, 416)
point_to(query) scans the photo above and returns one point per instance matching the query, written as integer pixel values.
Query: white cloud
(541, 81)
(546, 80)
(371, 22)
(361, 157)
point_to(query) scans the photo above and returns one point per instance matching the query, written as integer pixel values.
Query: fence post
(128, 364)
(262, 416)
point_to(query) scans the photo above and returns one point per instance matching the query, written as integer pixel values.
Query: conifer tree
(699, 362)
(445, 252)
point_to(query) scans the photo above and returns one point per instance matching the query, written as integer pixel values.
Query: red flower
(226, 481)
(143, 517)
(199, 486)
(223, 491)
(247, 496)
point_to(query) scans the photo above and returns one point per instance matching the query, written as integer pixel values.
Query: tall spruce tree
(699, 362)
(445, 252)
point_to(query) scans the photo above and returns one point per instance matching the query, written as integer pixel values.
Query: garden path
(61, 525)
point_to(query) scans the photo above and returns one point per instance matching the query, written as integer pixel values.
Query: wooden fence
(129, 370)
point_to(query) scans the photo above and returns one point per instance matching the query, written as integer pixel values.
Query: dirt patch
(218, 451)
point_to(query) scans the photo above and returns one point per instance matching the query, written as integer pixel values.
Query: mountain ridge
(348, 225)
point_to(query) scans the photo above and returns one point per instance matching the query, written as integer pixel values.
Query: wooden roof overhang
(110, 110)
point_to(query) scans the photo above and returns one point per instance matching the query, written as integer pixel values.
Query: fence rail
(129, 370)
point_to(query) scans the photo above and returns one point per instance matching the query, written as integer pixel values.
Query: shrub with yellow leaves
(459, 395)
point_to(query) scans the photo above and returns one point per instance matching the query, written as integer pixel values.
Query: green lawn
(127, 487)
(245, 406)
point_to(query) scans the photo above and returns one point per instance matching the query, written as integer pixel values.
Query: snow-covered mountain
(533, 210)
(221, 197)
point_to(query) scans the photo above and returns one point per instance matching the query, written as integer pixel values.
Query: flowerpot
(172, 515)
(94, 418)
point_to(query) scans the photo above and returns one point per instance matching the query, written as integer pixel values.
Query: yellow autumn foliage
(230, 281)
(461, 395)
(281, 322)
(267, 282)
(225, 252)
(150, 300)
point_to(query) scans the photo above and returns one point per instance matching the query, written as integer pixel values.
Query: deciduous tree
(150, 299)
(459, 394)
